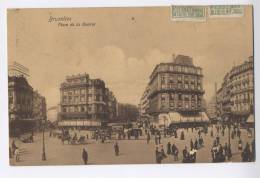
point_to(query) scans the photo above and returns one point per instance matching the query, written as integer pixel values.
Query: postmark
(226, 11)
(188, 13)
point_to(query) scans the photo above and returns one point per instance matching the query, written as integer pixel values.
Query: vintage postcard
(131, 85)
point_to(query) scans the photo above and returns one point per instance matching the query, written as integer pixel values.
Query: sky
(123, 46)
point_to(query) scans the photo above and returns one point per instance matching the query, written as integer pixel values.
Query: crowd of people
(220, 150)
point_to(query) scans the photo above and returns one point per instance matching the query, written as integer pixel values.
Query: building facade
(144, 103)
(20, 98)
(27, 108)
(85, 102)
(176, 87)
(236, 95)
(20, 105)
(39, 108)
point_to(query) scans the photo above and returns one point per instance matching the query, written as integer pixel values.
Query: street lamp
(43, 142)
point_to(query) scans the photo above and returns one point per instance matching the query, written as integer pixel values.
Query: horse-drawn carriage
(66, 137)
(26, 138)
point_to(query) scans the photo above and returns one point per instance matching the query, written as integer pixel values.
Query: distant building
(212, 108)
(27, 108)
(39, 108)
(52, 113)
(127, 112)
(235, 98)
(176, 93)
(85, 102)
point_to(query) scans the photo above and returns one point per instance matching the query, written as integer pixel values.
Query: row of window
(180, 78)
(173, 96)
(186, 105)
(242, 68)
(90, 108)
(181, 86)
(184, 69)
(82, 98)
(82, 91)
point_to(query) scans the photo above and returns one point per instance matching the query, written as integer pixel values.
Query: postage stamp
(226, 11)
(188, 13)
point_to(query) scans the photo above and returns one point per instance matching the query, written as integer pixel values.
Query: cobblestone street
(131, 151)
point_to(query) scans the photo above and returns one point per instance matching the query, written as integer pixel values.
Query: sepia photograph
(131, 85)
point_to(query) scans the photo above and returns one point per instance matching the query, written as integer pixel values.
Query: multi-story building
(112, 106)
(144, 103)
(20, 105)
(236, 95)
(26, 107)
(176, 92)
(85, 102)
(39, 108)
(212, 108)
(52, 113)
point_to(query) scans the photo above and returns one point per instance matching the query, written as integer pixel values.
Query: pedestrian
(159, 137)
(168, 148)
(240, 147)
(116, 147)
(85, 156)
(14, 147)
(175, 133)
(239, 133)
(191, 144)
(201, 141)
(185, 152)
(175, 152)
(196, 145)
(229, 153)
(182, 135)
(155, 138)
(17, 154)
(211, 133)
(246, 154)
(199, 133)
(148, 137)
(158, 156)
(226, 150)
(218, 139)
(163, 152)
(50, 133)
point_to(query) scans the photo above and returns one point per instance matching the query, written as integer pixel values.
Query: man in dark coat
(116, 147)
(85, 156)
(196, 145)
(185, 154)
(159, 137)
(158, 156)
(169, 148)
(191, 144)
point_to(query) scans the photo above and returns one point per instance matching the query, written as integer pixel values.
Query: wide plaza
(131, 151)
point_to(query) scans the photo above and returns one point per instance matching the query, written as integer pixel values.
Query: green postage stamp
(199, 13)
(188, 13)
(226, 11)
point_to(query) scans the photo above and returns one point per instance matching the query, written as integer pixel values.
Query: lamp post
(43, 142)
